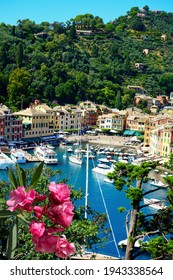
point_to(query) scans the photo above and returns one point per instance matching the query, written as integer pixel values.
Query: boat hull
(76, 160)
(48, 156)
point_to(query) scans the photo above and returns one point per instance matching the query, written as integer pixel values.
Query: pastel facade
(152, 123)
(10, 125)
(89, 113)
(35, 123)
(115, 121)
(136, 122)
(67, 117)
(161, 140)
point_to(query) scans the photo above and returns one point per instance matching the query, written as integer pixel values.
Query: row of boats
(47, 154)
(44, 153)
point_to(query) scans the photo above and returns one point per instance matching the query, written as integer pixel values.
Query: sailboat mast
(86, 188)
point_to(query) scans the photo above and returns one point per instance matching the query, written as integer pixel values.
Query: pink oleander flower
(61, 214)
(64, 249)
(19, 198)
(40, 197)
(46, 243)
(37, 229)
(59, 192)
(38, 211)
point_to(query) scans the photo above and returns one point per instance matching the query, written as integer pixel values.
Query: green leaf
(12, 240)
(21, 176)
(2, 201)
(37, 174)
(6, 213)
(12, 179)
(23, 220)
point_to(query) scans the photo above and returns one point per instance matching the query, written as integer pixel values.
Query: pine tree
(19, 55)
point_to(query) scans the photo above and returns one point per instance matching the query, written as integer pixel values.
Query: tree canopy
(88, 58)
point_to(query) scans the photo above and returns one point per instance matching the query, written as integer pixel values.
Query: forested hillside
(59, 63)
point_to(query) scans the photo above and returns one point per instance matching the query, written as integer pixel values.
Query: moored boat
(103, 169)
(107, 180)
(47, 155)
(18, 156)
(158, 183)
(76, 159)
(137, 244)
(5, 161)
(155, 203)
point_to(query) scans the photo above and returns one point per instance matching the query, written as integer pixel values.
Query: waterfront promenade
(105, 140)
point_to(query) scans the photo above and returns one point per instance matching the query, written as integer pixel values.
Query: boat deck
(29, 157)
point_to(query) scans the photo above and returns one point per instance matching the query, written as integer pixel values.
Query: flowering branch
(55, 209)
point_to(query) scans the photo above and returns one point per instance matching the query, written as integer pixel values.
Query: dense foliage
(53, 61)
(139, 224)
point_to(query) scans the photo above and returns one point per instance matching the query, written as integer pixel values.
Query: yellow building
(161, 139)
(67, 117)
(36, 123)
(152, 123)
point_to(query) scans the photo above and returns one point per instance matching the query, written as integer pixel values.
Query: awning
(129, 132)
(34, 139)
(26, 123)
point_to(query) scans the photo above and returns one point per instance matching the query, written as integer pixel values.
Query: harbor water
(102, 197)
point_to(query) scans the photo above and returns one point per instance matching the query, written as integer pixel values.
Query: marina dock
(29, 157)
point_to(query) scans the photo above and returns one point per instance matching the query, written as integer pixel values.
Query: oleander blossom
(54, 244)
(38, 211)
(64, 249)
(37, 229)
(50, 215)
(46, 243)
(19, 198)
(61, 214)
(59, 192)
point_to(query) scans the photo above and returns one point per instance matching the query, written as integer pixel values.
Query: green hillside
(85, 58)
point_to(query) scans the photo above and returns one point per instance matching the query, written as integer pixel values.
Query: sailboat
(86, 255)
(77, 156)
(65, 154)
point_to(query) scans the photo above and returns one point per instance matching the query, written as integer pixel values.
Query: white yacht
(137, 244)
(158, 183)
(103, 160)
(76, 158)
(5, 161)
(103, 169)
(18, 156)
(45, 154)
(107, 180)
(154, 203)
(165, 174)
